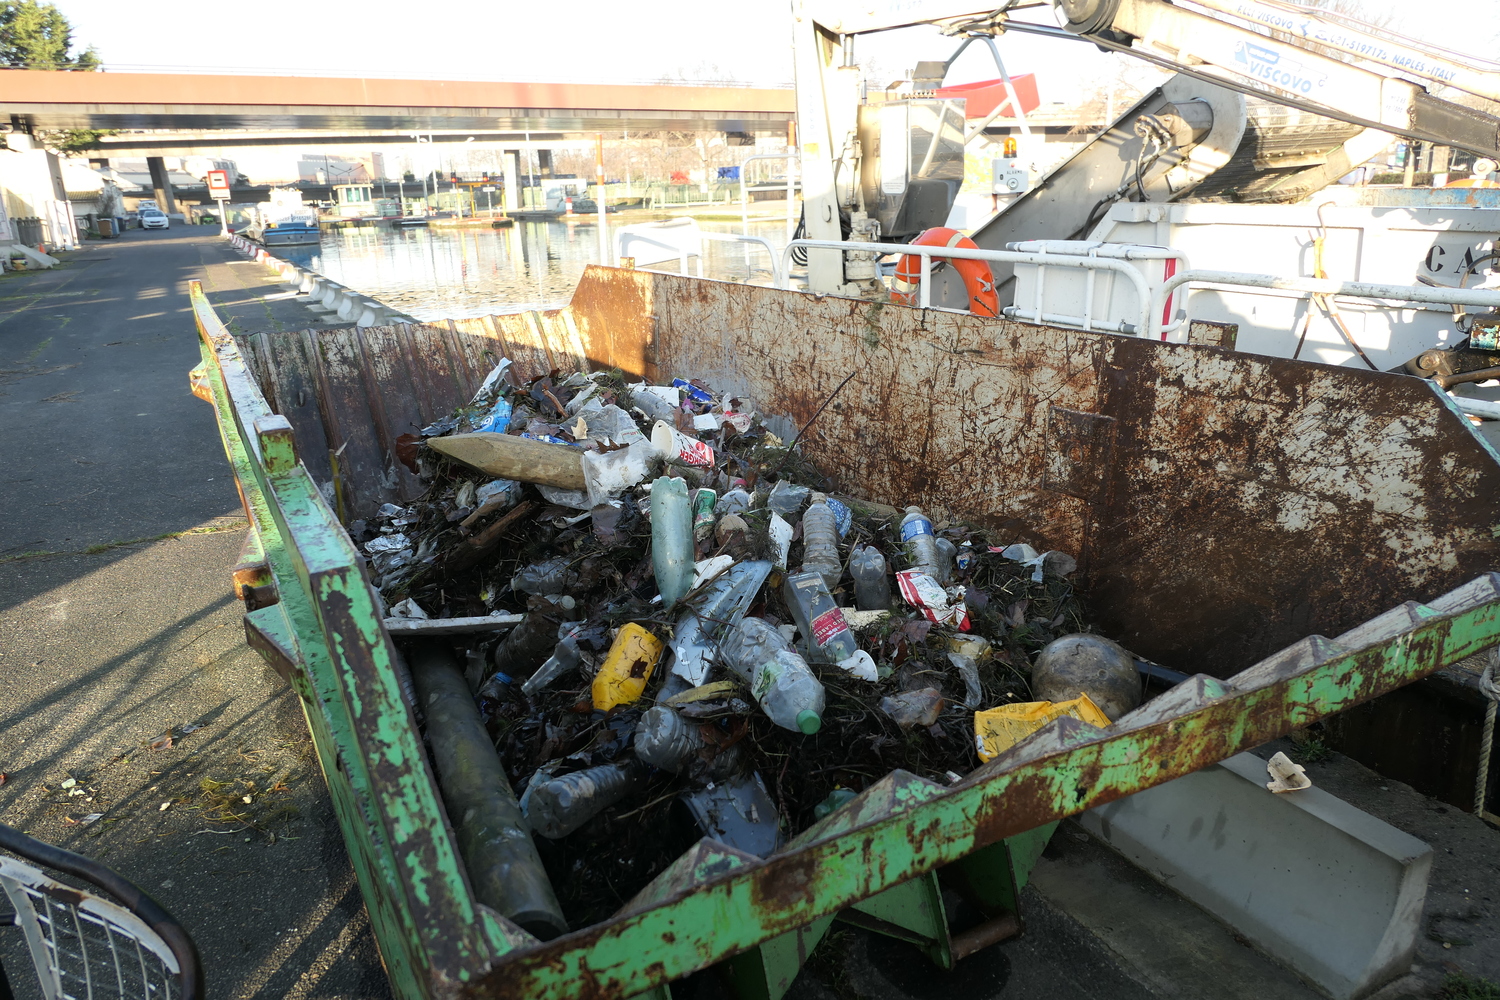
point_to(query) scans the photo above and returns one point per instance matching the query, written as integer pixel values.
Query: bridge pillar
(161, 184)
(510, 168)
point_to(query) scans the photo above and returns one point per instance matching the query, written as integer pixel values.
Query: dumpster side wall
(1223, 505)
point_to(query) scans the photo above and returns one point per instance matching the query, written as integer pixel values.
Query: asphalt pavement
(121, 643)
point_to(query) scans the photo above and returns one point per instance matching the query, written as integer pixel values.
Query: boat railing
(1041, 258)
(793, 161)
(689, 244)
(1390, 296)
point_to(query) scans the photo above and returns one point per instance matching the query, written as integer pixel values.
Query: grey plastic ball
(1092, 664)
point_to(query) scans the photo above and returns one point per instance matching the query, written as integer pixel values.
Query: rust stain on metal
(1237, 502)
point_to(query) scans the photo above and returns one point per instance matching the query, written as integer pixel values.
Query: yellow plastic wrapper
(996, 730)
(627, 668)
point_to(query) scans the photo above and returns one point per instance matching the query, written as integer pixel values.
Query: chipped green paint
(436, 941)
(429, 929)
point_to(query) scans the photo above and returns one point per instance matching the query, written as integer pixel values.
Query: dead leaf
(163, 742)
(406, 450)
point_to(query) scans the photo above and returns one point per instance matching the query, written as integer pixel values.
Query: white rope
(1491, 690)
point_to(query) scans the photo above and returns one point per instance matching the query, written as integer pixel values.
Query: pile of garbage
(707, 641)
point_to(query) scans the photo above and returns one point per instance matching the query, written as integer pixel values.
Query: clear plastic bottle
(946, 551)
(779, 679)
(663, 740)
(787, 498)
(544, 578)
(671, 538)
(490, 694)
(820, 542)
(566, 656)
(825, 633)
(734, 501)
(528, 642)
(872, 588)
(920, 543)
(555, 807)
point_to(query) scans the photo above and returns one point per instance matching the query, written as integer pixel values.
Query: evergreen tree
(37, 36)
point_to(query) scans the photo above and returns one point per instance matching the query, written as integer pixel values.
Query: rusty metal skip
(1229, 511)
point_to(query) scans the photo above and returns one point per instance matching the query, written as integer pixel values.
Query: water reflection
(453, 273)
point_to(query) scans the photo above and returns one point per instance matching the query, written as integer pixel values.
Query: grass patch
(36, 351)
(1461, 986)
(209, 529)
(1311, 748)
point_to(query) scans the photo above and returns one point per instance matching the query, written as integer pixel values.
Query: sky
(597, 41)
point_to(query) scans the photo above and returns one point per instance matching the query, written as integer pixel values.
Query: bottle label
(827, 625)
(765, 676)
(917, 526)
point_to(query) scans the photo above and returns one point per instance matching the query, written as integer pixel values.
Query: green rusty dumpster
(1298, 538)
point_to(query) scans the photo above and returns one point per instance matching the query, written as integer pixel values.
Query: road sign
(218, 184)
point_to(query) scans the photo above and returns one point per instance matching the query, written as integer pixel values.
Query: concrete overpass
(55, 100)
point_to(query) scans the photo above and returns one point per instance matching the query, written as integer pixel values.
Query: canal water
(454, 273)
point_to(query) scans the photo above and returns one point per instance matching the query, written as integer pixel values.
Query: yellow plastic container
(627, 668)
(996, 730)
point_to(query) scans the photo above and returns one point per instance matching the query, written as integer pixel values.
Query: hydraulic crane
(1354, 85)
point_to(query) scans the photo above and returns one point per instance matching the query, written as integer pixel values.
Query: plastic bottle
(555, 807)
(551, 577)
(734, 501)
(779, 679)
(872, 588)
(820, 542)
(787, 498)
(946, 551)
(527, 644)
(671, 538)
(566, 656)
(920, 543)
(663, 740)
(490, 694)
(825, 633)
(627, 667)
(703, 513)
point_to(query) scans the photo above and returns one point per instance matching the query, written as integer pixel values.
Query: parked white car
(152, 218)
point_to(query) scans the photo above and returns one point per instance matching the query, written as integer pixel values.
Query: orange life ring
(976, 274)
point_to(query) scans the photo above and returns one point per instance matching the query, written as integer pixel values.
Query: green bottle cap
(809, 721)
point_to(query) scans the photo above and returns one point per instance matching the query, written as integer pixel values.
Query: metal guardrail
(793, 161)
(628, 235)
(1428, 294)
(1155, 303)
(1041, 258)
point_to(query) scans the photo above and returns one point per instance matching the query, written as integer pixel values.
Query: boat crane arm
(1275, 50)
(1323, 64)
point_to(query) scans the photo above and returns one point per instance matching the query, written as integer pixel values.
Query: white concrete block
(1330, 891)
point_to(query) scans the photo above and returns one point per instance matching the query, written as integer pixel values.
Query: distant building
(199, 166)
(329, 169)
